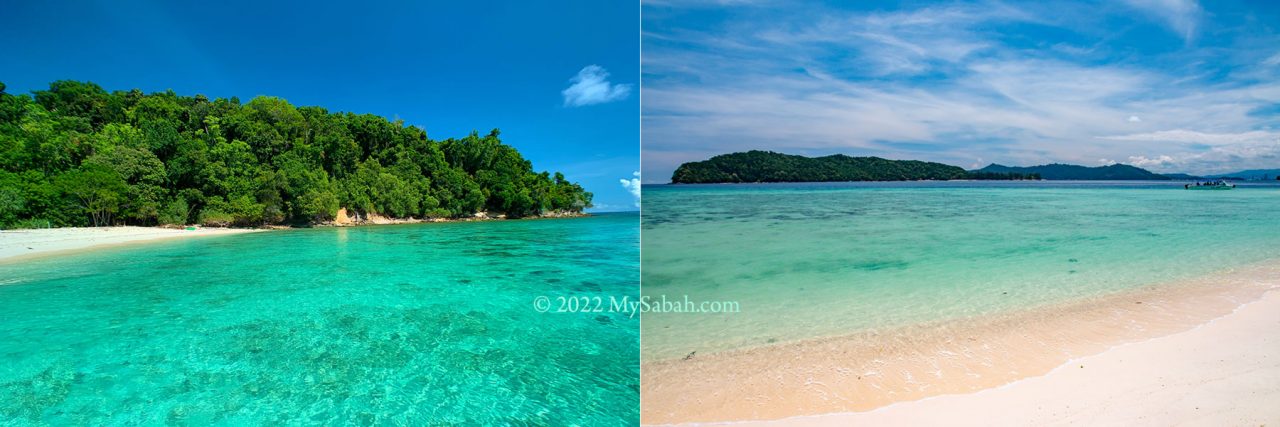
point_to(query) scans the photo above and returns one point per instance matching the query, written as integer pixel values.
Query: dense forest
(767, 166)
(1058, 171)
(77, 155)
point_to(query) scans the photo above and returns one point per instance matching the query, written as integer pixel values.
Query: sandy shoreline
(1224, 372)
(16, 245)
(885, 370)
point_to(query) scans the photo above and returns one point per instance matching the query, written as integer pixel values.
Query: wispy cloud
(1190, 136)
(1273, 60)
(1174, 150)
(1180, 16)
(955, 82)
(703, 3)
(1157, 162)
(591, 86)
(633, 186)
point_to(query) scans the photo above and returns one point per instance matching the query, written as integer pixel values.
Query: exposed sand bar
(870, 370)
(21, 244)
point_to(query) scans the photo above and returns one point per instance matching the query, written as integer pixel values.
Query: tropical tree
(76, 154)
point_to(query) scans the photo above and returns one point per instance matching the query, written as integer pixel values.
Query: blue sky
(1168, 85)
(449, 67)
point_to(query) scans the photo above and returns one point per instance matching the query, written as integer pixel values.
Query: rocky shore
(348, 218)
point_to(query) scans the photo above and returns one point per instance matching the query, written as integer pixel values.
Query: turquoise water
(814, 260)
(402, 325)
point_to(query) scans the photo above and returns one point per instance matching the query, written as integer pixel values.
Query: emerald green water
(403, 325)
(814, 260)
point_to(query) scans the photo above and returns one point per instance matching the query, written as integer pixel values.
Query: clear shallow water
(412, 324)
(814, 260)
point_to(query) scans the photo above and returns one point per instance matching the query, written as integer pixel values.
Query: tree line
(77, 155)
(1004, 176)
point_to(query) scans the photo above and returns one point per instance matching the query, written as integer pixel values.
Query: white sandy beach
(1225, 372)
(16, 244)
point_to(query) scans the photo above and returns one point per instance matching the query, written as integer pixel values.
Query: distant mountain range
(1251, 174)
(1119, 172)
(1058, 171)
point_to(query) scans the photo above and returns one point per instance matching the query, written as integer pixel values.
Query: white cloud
(896, 43)
(591, 86)
(702, 3)
(633, 185)
(1202, 152)
(1194, 137)
(1157, 162)
(940, 84)
(1038, 103)
(1181, 16)
(1273, 60)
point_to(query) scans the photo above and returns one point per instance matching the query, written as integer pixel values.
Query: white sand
(1225, 372)
(15, 244)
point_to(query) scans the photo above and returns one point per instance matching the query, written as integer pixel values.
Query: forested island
(77, 155)
(768, 166)
(1058, 171)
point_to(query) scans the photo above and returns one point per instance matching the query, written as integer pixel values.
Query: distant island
(1119, 172)
(768, 166)
(1250, 175)
(77, 155)
(1058, 171)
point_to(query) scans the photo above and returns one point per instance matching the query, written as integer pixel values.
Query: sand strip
(18, 245)
(875, 369)
(1225, 372)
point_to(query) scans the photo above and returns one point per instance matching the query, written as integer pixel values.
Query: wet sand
(875, 369)
(1225, 372)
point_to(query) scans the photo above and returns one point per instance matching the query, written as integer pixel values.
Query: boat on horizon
(1211, 185)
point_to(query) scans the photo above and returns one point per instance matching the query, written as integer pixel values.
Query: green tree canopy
(76, 155)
